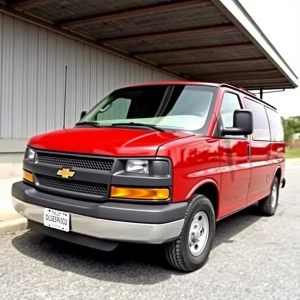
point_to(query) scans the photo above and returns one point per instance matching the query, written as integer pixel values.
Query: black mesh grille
(76, 162)
(78, 187)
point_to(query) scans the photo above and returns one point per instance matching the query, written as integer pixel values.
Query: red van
(158, 164)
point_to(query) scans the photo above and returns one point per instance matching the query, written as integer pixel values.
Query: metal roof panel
(130, 28)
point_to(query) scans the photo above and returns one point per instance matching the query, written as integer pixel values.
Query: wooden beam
(264, 81)
(213, 62)
(23, 3)
(237, 72)
(135, 12)
(241, 79)
(268, 87)
(265, 87)
(166, 34)
(236, 47)
(247, 75)
(255, 86)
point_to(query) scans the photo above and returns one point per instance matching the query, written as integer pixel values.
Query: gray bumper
(108, 229)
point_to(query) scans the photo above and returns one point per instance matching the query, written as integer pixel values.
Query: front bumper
(162, 223)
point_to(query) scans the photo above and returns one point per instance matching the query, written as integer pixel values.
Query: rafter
(166, 34)
(265, 81)
(246, 75)
(266, 87)
(237, 47)
(213, 62)
(136, 12)
(241, 79)
(23, 3)
(261, 71)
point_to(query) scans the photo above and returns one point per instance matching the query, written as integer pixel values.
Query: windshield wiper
(88, 123)
(138, 124)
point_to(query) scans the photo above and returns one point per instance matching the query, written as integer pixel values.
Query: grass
(293, 153)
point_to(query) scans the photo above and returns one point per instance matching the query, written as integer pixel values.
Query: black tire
(178, 252)
(268, 206)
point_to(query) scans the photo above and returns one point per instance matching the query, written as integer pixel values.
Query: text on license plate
(57, 219)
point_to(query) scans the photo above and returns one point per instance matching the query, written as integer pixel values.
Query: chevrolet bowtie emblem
(65, 173)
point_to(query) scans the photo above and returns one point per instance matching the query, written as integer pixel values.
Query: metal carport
(202, 40)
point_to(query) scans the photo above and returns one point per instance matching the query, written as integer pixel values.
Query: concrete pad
(10, 220)
(7, 211)
(12, 226)
(11, 165)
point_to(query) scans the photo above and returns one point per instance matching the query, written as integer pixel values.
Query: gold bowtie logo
(65, 173)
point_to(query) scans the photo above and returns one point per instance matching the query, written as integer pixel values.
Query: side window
(261, 130)
(277, 133)
(230, 103)
(117, 110)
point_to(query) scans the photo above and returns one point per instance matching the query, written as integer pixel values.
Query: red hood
(104, 141)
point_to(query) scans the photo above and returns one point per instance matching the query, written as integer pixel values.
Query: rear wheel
(192, 248)
(269, 205)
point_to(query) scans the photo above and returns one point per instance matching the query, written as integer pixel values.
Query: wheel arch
(210, 189)
(278, 174)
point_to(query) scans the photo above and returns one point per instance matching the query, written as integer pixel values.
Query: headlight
(137, 166)
(29, 154)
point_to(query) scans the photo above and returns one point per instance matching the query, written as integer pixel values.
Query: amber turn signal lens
(139, 193)
(27, 176)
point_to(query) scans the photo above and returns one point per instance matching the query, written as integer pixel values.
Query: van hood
(105, 141)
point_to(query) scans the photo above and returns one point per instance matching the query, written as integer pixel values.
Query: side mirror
(242, 123)
(83, 113)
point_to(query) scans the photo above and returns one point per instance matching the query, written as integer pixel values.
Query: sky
(280, 22)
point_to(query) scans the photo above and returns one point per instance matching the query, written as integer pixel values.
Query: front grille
(78, 187)
(76, 162)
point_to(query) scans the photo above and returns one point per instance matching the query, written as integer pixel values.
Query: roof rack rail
(243, 89)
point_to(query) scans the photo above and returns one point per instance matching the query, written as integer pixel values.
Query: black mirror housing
(242, 123)
(83, 113)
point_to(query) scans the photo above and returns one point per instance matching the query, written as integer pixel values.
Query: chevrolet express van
(157, 164)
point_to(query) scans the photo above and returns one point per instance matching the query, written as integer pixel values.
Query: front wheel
(192, 248)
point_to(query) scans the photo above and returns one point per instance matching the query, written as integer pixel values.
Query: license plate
(57, 219)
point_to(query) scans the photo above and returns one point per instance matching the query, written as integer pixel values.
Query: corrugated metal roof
(195, 38)
(58, 10)
(185, 18)
(178, 36)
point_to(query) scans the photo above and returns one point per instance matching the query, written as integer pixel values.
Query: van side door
(234, 158)
(261, 152)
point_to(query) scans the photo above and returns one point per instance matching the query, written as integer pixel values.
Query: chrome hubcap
(199, 232)
(274, 196)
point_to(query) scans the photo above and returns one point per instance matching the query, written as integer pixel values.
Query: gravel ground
(253, 258)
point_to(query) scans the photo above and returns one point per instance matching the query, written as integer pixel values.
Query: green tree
(295, 123)
(290, 125)
(288, 131)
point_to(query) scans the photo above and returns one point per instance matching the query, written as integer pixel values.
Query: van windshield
(178, 107)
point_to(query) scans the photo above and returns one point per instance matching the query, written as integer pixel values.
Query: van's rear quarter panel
(195, 162)
(278, 157)
(266, 158)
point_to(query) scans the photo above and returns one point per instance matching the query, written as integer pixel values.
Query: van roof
(241, 90)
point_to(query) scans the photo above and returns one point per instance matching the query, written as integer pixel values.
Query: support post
(261, 93)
